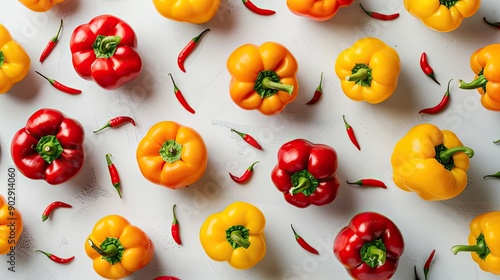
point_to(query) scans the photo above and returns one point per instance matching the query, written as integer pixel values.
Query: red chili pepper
(303, 243)
(350, 133)
(60, 86)
(438, 108)
(380, 16)
(115, 122)
(245, 177)
(175, 228)
(494, 24)
(369, 182)
(51, 207)
(180, 97)
(263, 12)
(55, 258)
(51, 44)
(427, 264)
(317, 93)
(424, 64)
(248, 138)
(166, 278)
(113, 172)
(188, 49)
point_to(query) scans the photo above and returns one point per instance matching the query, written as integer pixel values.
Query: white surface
(149, 99)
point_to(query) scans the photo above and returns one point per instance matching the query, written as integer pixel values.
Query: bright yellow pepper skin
(11, 226)
(14, 61)
(368, 71)
(40, 5)
(172, 155)
(263, 77)
(225, 235)
(194, 11)
(118, 248)
(485, 63)
(443, 16)
(318, 10)
(484, 243)
(431, 162)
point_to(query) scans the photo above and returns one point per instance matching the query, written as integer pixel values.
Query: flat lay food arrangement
(249, 139)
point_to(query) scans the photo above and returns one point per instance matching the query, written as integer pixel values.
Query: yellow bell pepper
(14, 61)
(318, 10)
(118, 248)
(172, 155)
(485, 63)
(235, 235)
(431, 162)
(194, 11)
(368, 71)
(11, 227)
(263, 77)
(40, 5)
(484, 243)
(443, 16)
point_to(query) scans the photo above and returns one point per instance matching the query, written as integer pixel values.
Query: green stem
(446, 155)
(105, 46)
(49, 148)
(2, 58)
(110, 249)
(238, 236)
(269, 84)
(478, 82)
(373, 253)
(171, 151)
(360, 75)
(448, 3)
(303, 184)
(481, 248)
(495, 175)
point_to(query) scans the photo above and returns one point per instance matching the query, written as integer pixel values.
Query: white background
(149, 99)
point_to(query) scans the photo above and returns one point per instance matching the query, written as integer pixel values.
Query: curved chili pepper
(245, 177)
(303, 243)
(51, 207)
(175, 228)
(180, 97)
(424, 64)
(438, 108)
(166, 278)
(495, 175)
(115, 122)
(60, 86)
(369, 182)
(55, 258)
(248, 138)
(350, 133)
(427, 264)
(380, 16)
(188, 49)
(263, 12)
(51, 44)
(494, 24)
(317, 93)
(113, 172)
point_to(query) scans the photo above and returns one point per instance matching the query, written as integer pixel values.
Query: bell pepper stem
(49, 148)
(268, 83)
(105, 46)
(2, 58)
(478, 82)
(304, 183)
(479, 248)
(360, 74)
(110, 250)
(171, 151)
(446, 155)
(373, 253)
(237, 237)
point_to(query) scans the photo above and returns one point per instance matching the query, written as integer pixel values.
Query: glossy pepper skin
(250, 65)
(126, 247)
(11, 226)
(193, 11)
(318, 10)
(368, 70)
(225, 235)
(40, 5)
(104, 50)
(431, 162)
(49, 147)
(14, 61)
(369, 247)
(172, 155)
(442, 16)
(306, 173)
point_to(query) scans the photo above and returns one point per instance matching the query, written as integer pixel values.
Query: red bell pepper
(369, 247)
(49, 147)
(306, 173)
(104, 50)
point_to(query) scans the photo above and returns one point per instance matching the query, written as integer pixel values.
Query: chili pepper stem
(496, 141)
(427, 264)
(494, 24)
(51, 81)
(495, 175)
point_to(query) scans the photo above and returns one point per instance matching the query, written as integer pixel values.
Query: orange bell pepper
(318, 10)
(11, 226)
(15, 63)
(263, 77)
(40, 5)
(172, 155)
(123, 248)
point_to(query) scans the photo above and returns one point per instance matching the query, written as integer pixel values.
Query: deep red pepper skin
(427, 264)
(248, 138)
(188, 49)
(60, 86)
(299, 161)
(116, 122)
(317, 93)
(113, 173)
(174, 229)
(263, 12)
(494, 24)
(441, 105)
(350, 133)
(245, 177)
(369, 182)
(51, 44)
(51, 207)
(180, 97)
(304, 243)
(426, 68)
(55, 258)
(380, 16)
(365, 228)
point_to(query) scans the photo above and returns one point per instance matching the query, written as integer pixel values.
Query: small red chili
(180, 97)
(350, 133)
(317, 93)
(369, 182)
(51, 44)
(51, 207)
(426, 68)
(188, 49)
(252, 7)
(166, 278)
(55, 258)
(246, 176)
(175, 228)
(494, 24)
(116, 122)
(248, 138)
(380, 16)
(303, 243)
(427, 264)
(113, 173)
(60, 86)
(439, 107)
